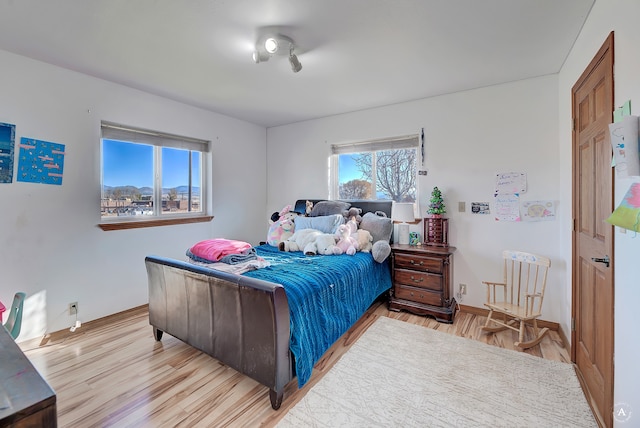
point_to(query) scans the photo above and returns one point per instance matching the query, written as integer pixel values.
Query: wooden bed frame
(241, 321)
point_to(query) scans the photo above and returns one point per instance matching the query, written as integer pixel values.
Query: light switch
(461, 206)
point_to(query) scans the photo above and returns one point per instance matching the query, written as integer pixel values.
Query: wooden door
(592, 285)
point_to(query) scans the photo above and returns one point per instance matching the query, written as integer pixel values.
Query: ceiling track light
(294, 61)
(276, 45)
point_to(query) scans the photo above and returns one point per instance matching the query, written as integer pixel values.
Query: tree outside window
(391, 172)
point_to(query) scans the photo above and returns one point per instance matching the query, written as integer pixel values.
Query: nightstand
(421, 281)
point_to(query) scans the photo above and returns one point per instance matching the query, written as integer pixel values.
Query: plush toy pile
(331, 227)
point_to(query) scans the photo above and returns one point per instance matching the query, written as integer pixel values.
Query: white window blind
(395, 143)
(114, 131)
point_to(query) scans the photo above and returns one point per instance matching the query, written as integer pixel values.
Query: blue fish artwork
(40, 161)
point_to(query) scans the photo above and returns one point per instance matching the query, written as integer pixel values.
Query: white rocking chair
(525, 279)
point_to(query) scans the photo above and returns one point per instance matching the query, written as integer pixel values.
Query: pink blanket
(215, 249)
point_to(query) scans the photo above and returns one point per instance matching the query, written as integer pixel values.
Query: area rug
(403, 375)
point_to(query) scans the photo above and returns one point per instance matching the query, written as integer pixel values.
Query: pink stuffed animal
(347, 244)
(280, 231)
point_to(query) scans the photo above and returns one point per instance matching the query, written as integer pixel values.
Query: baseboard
(485, 312)
(89, 325)
(541, 323)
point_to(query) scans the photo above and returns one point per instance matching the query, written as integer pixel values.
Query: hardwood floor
(113, 373)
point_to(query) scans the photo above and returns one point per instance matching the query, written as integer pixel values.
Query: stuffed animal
(380, 250)
(299, 240)
(365, 240)
(279, 231)
(353, 213)
(380, 227)
(347, 244)
(282, 228)
(324, 244)
(309, 207)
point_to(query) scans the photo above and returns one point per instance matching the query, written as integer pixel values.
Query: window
(148, 175)
(381, 169)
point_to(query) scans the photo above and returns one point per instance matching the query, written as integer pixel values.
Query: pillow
(380, 228)
(323, 208)
(324, 223)
(627, 215)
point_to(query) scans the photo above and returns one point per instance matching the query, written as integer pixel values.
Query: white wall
(50, 245)
(470, 137)
(620, 16)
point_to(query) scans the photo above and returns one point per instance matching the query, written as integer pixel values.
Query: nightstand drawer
(417, 295)
(415, 278)
(423, 263)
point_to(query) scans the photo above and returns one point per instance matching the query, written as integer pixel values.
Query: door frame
(608, 45)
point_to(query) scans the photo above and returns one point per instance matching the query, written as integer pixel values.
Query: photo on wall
(7, 137)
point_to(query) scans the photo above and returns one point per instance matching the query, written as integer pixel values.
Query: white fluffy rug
(403, 375)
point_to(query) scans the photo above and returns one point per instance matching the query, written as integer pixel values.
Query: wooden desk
(26, 400)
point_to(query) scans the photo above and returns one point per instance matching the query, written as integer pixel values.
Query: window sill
(153, 223)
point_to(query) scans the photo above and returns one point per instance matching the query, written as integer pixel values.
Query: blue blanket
(326, 294)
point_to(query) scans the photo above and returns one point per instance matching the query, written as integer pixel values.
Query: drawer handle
(416, 280)
(421, 296)
(414, 263)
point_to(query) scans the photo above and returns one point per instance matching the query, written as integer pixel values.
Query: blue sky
(348, 169)
(128, 164)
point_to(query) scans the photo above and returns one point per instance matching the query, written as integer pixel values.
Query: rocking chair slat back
(523, 287)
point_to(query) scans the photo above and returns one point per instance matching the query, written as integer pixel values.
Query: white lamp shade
(403, 213)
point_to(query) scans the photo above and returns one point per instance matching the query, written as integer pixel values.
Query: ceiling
(356, 54)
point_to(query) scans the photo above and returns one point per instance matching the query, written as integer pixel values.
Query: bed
(271, 324)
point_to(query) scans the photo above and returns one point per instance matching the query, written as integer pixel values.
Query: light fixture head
(295, 63)
(259, 57)
(271, 45)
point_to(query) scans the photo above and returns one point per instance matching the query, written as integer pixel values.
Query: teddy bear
(381, 227)
(365, 240)
(325, 244)
(347, 244)
(353, 218)
(300, 240)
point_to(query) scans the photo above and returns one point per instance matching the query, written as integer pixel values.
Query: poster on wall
(510, 182)
(538, 210)
(7, 137)
(624, 142)
(507, 207)
(40, 161)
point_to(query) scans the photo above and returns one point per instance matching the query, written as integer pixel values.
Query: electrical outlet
(73, 308)
(463, 288)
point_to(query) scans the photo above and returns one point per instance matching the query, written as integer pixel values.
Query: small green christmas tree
(436, 203)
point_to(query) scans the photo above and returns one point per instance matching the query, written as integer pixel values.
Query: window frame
(411, 141)
(160, 140)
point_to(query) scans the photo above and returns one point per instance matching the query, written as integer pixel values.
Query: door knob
(604, 260)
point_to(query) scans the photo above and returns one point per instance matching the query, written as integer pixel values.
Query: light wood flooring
(113, 373)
